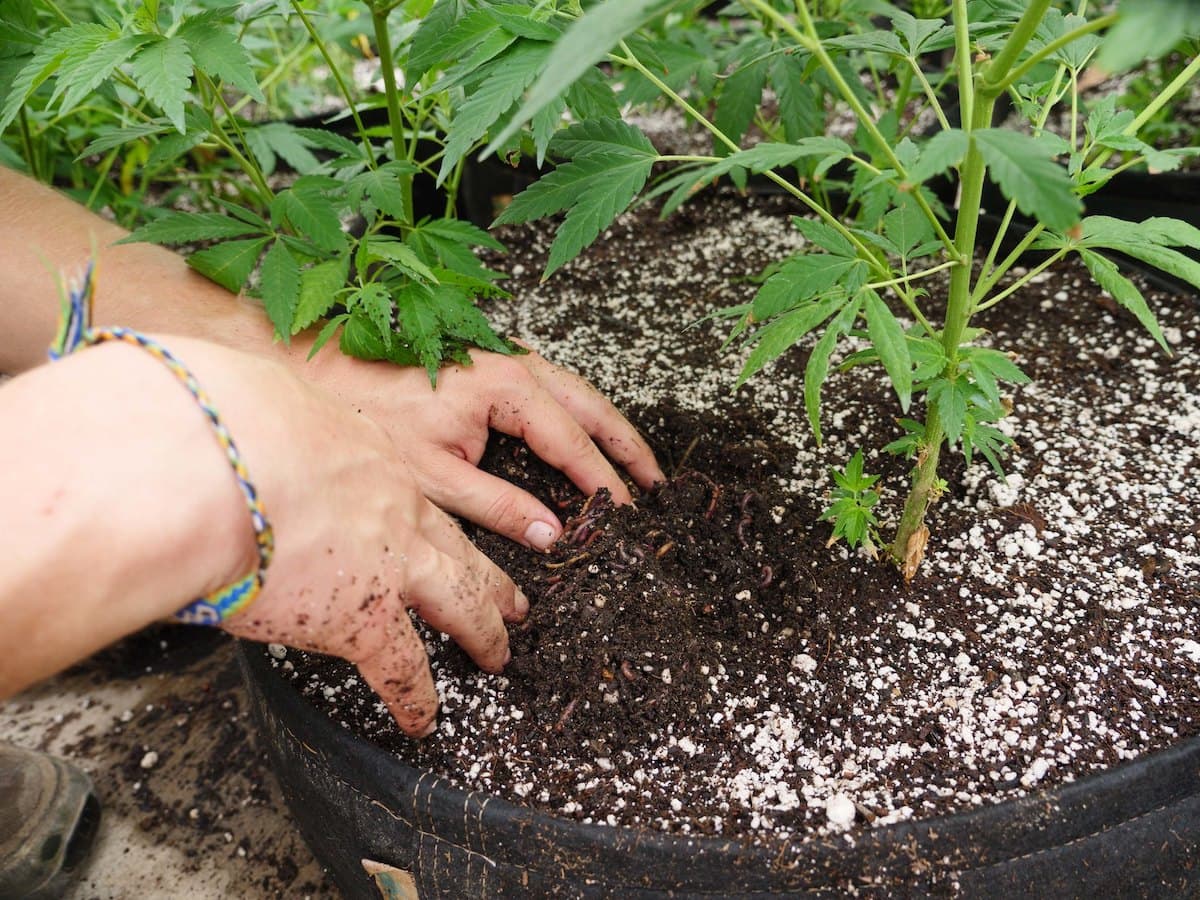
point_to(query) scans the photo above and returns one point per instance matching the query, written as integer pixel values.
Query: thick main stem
(383, 43)
(909, 545)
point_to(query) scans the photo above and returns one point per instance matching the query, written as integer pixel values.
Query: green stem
(337, 77)
(101, 175)
(962, 59)
(907, 548)
(27, 144)
(245, 160)
(812, 43)
(1023, 280)
(1054, 46)
(633, 62)
(934, 103)
(915, 276)
(383, 43)
(985, 284)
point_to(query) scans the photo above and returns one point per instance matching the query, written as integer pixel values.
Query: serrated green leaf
(184, 228)
(319, 288)
(383, 187)
(376, 301)
(417, 320)
(401, 256)
(799, 279)
(326, 333)
(585, 43)
(741, 94)
(361, 338)
(592, 98)
(950, 400)
(463, 320)
(311, 214)
(229, 264)
(817, 367)
(505, 80)
(280, 287)
(279, 139)
(775, 338)
(888, 338)
(87, 65)
(1124, 291)
(800, 110)
(943, 151)
(107, 139)
(594, 190)
(1019, 164)
(216, 52)
(445, 35)
(461, 232)
(163, 71)
(42, 65)
(824, 237)
(544, 125)
(906, 226)
(601, 136)
(1146, 29)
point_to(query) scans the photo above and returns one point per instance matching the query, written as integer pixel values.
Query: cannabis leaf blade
(888, 338)
(585, 43)
(594, 189)
(280, 287)
(502, 86)
(228, 264)
(184, 228)
(163, 71)
(1020, 165)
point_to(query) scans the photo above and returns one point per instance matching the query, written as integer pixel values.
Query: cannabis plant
(861, 272)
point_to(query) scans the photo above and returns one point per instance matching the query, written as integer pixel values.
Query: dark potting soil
(702, 662)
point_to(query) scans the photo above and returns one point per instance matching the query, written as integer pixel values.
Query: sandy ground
(190, 807)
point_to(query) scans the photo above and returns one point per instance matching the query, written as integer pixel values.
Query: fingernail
(540, 535)
(521, 602)
(429, 729)
(507, 657)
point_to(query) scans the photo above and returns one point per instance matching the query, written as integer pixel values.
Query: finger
(461, 597)
(444, 534)
(493, 503)
(399, 674)
(550, 431)
(599, 418)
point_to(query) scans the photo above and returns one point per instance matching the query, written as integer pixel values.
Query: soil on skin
(703, 662)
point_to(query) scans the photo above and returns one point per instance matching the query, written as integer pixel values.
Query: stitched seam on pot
(391, 812)
(1073, 841)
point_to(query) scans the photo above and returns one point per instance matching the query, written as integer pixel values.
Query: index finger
(598, 417)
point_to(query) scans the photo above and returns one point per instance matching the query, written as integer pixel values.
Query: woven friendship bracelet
(75, 331)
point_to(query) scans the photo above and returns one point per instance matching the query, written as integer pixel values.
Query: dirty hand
(442, 433)
(123, 509)
(357, 543)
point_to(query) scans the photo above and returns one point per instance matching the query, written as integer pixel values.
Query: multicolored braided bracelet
(75, 331)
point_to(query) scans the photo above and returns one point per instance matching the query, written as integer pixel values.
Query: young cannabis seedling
(852, 504)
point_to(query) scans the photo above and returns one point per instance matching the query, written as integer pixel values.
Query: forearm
(142, 286)
(118, 508)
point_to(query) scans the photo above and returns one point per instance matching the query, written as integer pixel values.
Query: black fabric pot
(1133, 831)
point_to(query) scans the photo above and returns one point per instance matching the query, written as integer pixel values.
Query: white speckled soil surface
(704, 664)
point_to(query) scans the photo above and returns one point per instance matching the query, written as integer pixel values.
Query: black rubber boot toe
(48, 818)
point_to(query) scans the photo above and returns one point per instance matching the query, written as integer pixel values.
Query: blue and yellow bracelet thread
(75, 331)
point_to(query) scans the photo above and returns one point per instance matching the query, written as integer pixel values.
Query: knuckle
(504, 512)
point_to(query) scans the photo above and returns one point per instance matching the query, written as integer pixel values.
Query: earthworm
(591, 537)
(765, 577)
(745, 501)
(556, 588)
(741, 531)
(664, 550)
(629, 671)
(578, 557)
(566, 714)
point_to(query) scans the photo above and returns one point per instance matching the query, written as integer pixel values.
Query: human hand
(357, 543)
(442, 433)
